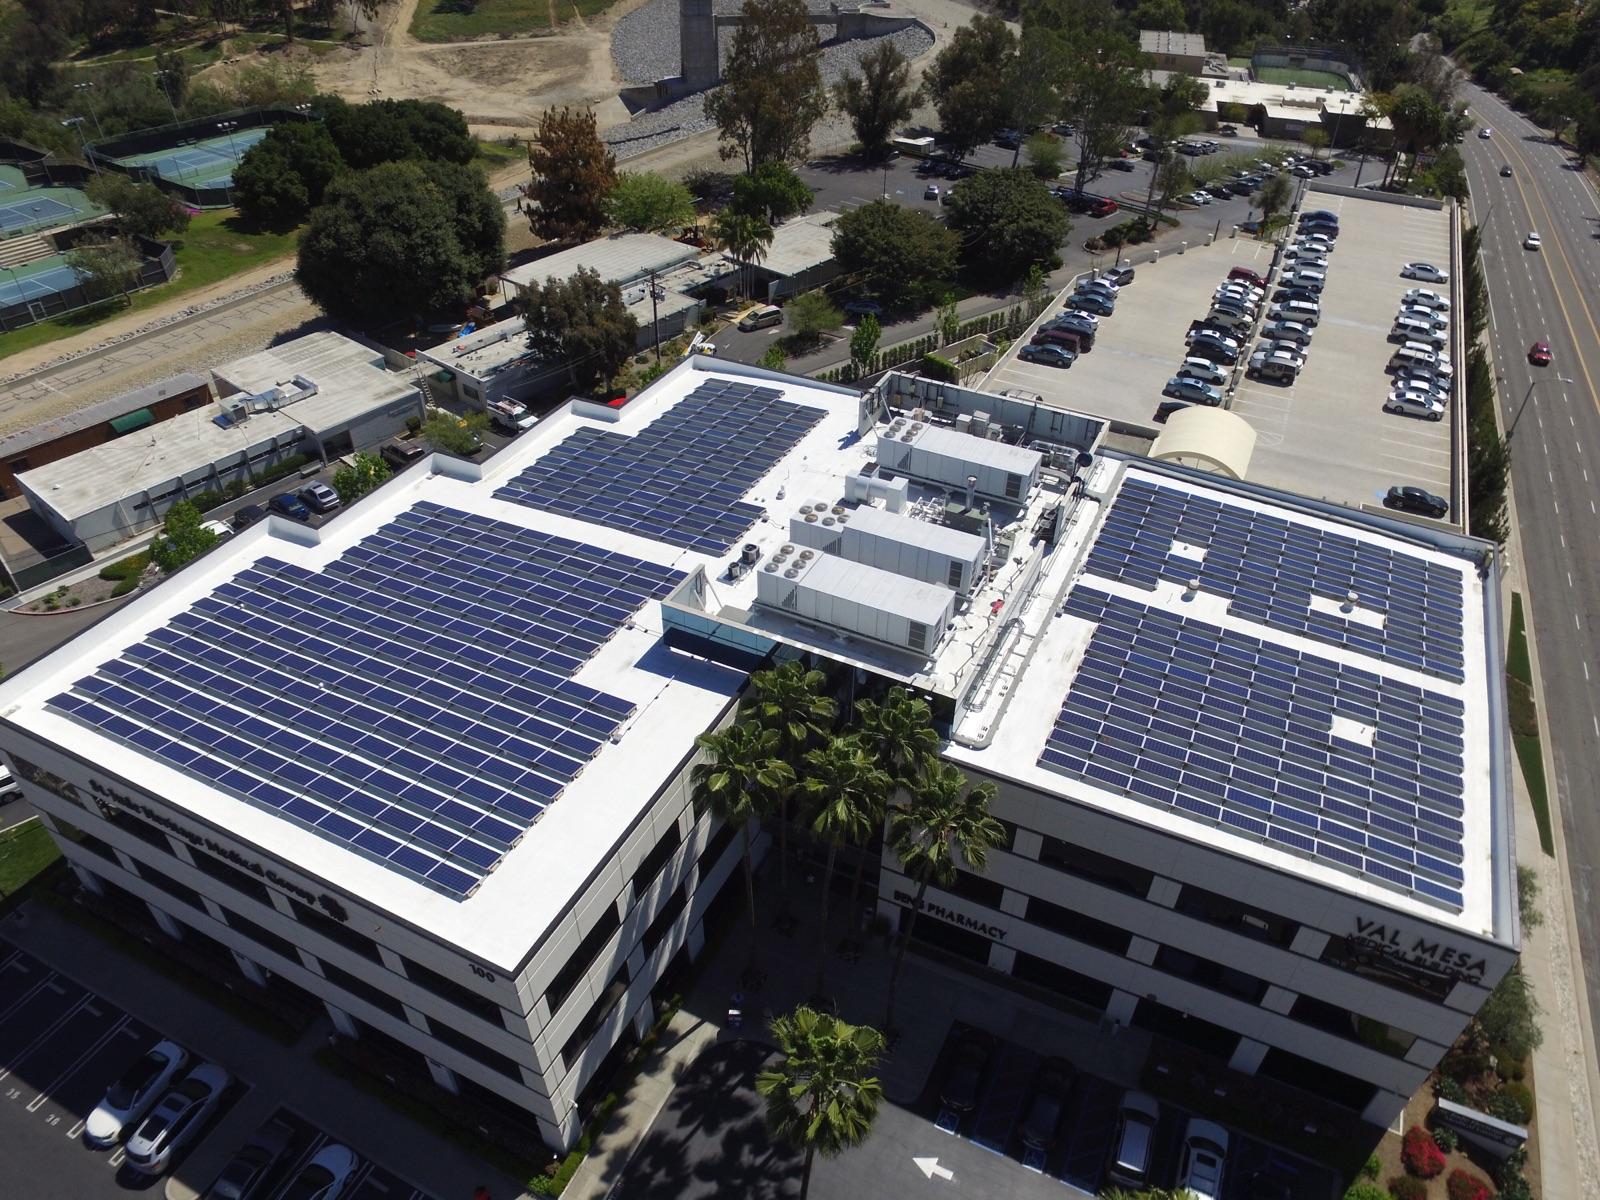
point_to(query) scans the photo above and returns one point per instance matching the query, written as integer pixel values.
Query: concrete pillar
(1142, 950)
(1163, 891)
(564, 1135)
(443, 1076)
(1001, 958)
(90, 881)
(1027, 844)
(1278, 1000)
(342, 1021)
(1121, 1007)
(168, 926)
(250, 968)
(1383, 1108)
(415, 1019)
(1014, 903)
(643, 1019)
(1310, 942)
(697, 44)
(1248, 1056)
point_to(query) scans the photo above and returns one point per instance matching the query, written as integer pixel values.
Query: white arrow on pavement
(930, 1167)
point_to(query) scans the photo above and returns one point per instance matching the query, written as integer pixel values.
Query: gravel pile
(685, 117)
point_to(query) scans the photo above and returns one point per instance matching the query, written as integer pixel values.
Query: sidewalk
(277, 1074)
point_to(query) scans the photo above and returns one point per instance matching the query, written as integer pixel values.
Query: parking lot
(1139, 348)
(62, 1045)
(1327, 435)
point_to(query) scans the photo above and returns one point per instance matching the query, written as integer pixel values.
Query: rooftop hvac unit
(861, 600)
(947, 457)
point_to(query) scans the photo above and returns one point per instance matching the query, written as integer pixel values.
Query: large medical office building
(430, 761)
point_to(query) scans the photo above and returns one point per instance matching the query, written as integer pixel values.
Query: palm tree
(1275, 196)
(823, 1095)
(898, 732)
(847, 792)
(737, 783)
(788, 699)
(946, 825)
(745, 237)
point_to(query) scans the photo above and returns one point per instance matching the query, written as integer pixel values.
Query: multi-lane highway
(1552, 294)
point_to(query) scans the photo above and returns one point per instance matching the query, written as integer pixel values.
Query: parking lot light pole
(228, 127)
(89, 102)
(77, 123)
(1511, 430)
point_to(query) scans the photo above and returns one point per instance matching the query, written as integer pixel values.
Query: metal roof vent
(837, 509)
(828, 521)
(771, 566)
(791, 572)
(1350, 600)
(1193, 588)
(788, 548)
(804, 509)
(811, 518)
(805, 554)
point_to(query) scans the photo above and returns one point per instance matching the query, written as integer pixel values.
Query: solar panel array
(412, 701)
(682, 477)
(1270, 568)
(1231, 729)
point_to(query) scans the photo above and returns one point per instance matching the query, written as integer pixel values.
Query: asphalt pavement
(1552, 415)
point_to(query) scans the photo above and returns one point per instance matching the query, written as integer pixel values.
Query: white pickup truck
(511, 416)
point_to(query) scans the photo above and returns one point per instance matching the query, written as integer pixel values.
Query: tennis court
(21, 214)
(17, 288)
(207, 162)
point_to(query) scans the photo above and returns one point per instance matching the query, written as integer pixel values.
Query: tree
(745, 239)
(172, 76)
(365, 473)
(573, 173)
(649, 203)
(902, 255)
(1273, 198)
(864, 343)
(738, 783)
(1418, 120)
(847, 793)
(286, 174)
(1101, 84)
(1447, 177)
(967, 81)
(1035, 291)
(1008, 221)
(878, 99)
(897, 732)
(1161, 14)
(788, 698)
(400, 240)
(461, 436)
(142, 209)
(945, 827)
(1510, 1018)
(1044, 155)
(822, 1097)
(582, 322)
(106, 268)
(1316, 140)
(1528, 912)
(772, 93)
(383, 131)
(772, 192)
(775, 358)
(1170, 179)
(811, 314)
(1172, 115)
(183, 538)
(947, 320)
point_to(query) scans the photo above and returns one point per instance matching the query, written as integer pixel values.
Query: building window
(236, 879)
(963, 943)
(1091, 993)
(712, 854)
(88, 841)
(595, 1017)
(1095, 867)
(474, 1049)
(360, 988)
(454, 993)
(1077, 926)
(1314, 1077)
(1370, 963)
(1210, 974)
(655, 860)
(662, 925)
(1192, 1031)
(139, 828)
(172, 887)
(262, 936)
(1228, 913)
(335, 932)
(577, 966)
(1341, 1022)
(977, 888)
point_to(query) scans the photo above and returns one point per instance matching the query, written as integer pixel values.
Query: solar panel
(1270, 570)
(412, 700)
(682, 478)
(1336, 763)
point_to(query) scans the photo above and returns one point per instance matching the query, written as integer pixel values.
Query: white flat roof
(621, 258)
(798, 245)
(352, 379)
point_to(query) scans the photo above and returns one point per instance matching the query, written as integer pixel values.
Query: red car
(1539, 354)
(1102, 208)
(1249, 276)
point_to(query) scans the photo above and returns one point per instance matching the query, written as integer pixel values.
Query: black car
(1296, 292)
(1047, 1104)
(1415, 500)
(863, 308)
(1505, 171)
(248, 516)
(400, 455)
(1167, 407)
(963, 1081)
(245, 1175)
(290, 505)
(1215, 351)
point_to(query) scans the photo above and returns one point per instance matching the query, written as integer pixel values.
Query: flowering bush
(1464, 1186)
(1421, 1153)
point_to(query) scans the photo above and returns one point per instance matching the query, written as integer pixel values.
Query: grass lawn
(461, 20)
(1525, 723)
(212, 248)
(1303, 78)
(24, 852)
(491, 156)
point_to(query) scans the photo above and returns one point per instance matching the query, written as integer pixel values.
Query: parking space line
(47, 1032)
(99, 1044)
(47, 981)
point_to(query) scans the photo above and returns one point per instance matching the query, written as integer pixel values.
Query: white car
(1413, 402)
(1287, 331)
(1485, 133)
(1196, 198)
(1426, 272)
(1238, 287)
(1423, 298)
(1282, 351)
(325, 1177)
(128, 1098)
(1205, 1154)
(174, 1122)
(1531, 242)
(1426, 315)
(1204, 370)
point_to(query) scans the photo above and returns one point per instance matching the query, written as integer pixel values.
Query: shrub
(1513, 1102)
(1404, 1187)
(1447, 1088)
(1465, 1186)
(1421, 1154)
(1371, 1168)
(1446, 1138)
(125, 568)
(126, 586)
(1365, 1190)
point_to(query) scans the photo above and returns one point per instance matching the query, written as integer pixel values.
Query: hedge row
(1007, 322)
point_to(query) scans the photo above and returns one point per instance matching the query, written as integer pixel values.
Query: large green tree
(285, 175)
(573, 172)
(902, 255)
(1008, 221)
(106, 267)
(739, 782)
(823, 1094)
(1101, 79)
(772, 94)
(810, 315)
(967, 81)
(142, 209)
(846, 793)
(183, 538)
(381, 131)
(649, 203)
(877, 99)
(773, 192)
(399, 240)
(897, 731)
(582, 324)
(790, 699)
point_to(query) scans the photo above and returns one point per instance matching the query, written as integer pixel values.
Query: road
(1552, 295)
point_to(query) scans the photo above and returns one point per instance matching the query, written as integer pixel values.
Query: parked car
(1052, 1083)
(1046, 354)
(320, 497)
(325, 1177)
(290, 505)
(931, 192)
(1287, 331)
(1415, 500)
(248, 516)
(1423, 298)
(245, 1175)
(1181, 387)
(1167, 407)
(1204, 370)
(1075, 340)
(1505, 171)
(1198, 199)
(400, 455)
(1121, 276)
(131, 1096)
(1209, 347)
(176, 1119)
(1246, 275)
(1205, 1155)
(863, 308)
(1296, 292)
(1103, 208)
(1485, 133)
(513, 417)
(1091, 304)
(1078, 322)
(1426, 272)
(1280, 352)
(1132, 1148)
(1539, 354)
(1427, 316)
(763, 316)
(1413, 402)
(1120, 164)
(964, 1079)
